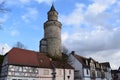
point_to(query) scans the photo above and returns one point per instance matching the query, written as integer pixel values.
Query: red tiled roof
(81, 59)
(44, 61)
(22, 57)
(19, 56)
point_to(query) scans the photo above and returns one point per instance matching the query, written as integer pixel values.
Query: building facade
(89, 69)
(116, 74)
(21, 64)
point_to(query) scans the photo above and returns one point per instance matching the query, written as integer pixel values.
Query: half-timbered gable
(89, 69)
(21, 64)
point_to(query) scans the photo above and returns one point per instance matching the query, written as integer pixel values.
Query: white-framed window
(13, 73)
(9, 73)
(77, 74)
(60, 72)
(46, 72)
(11, 68)
(69, 71)
(21, 74)
(16, 68)
(26, 74)
(87, 71)
(24, 69)
(20, 69)
(25, 79)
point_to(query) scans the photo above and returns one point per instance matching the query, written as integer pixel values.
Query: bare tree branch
(64, 50)
(20, 45)
(3, 10)
(2, 7)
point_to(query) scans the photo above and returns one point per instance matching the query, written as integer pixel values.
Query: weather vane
(53, 2)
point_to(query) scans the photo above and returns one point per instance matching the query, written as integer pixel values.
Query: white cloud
(1, 1)
(31, 14)
(98, 32)
(26, 2)
(4, 18)
(16, 2)
(45, 1)
(14, 33)
(99, 13)
(4, 48)
(65, 37)
(104, 39)
(99, 6)
(75, 18)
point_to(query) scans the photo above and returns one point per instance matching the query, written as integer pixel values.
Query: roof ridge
(81, 56)
(23, 49)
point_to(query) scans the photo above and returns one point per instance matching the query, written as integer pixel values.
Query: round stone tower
(51, 43)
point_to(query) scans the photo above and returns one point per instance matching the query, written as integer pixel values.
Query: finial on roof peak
(52, 8)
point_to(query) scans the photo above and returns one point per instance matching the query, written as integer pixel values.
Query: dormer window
(41, 60)
(97, 65)
(101, 67)
(92, 65)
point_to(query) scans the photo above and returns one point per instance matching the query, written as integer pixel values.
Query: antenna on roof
(2, 51)
(53, 2)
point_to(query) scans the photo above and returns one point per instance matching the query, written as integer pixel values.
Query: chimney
(73, 52)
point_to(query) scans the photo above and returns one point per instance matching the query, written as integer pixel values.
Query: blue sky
(89, 27)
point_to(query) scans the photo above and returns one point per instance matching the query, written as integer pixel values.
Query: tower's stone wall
(52, 29)
(53, 15)
(51, 43)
